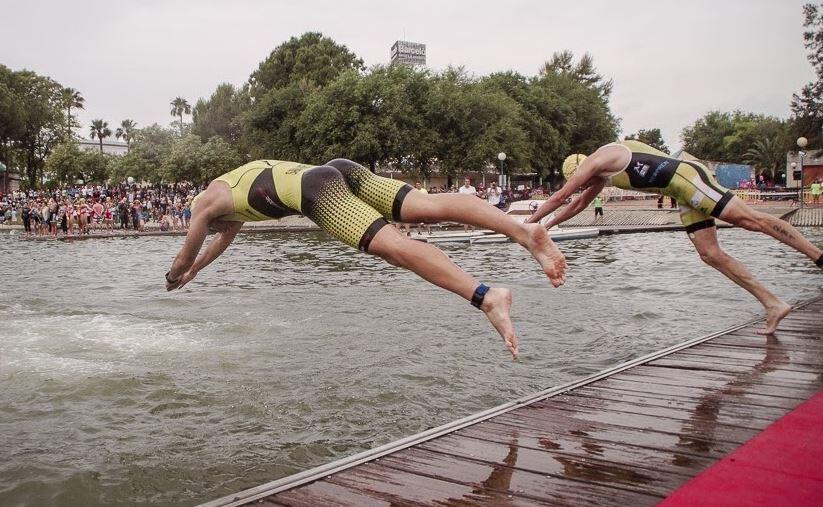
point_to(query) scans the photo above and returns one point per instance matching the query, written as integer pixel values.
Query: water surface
(293, 350)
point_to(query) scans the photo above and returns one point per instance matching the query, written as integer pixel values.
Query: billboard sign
(411, 53)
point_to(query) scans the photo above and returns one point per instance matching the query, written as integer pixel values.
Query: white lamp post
(501, 157)
(802, 142)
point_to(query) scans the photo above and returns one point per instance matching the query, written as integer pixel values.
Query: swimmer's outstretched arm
(186, 264)
(226, 232)
(578, 204)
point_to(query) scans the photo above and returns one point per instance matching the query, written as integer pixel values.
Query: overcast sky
(671, 61)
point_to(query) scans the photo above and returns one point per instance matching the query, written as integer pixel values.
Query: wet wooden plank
(628, 439)
(611, 451)
(551, 431)
(716, 381)
(402, 488)
(327, 493)
(705, 365)
(505, 479)
(809, 360)
(719, 432)
(702, 411)
(636, 478)
(731, 394)
(730, 406)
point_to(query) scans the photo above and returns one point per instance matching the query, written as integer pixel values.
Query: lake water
(293, 350)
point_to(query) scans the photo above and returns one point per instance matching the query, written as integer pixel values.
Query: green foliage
(149, 149)
(652, 137)
(310, 57)
(126, 131)
(217, 157)
(99, 129)
(726, 137)
(807, 106)
(179, 107)
(71, 98)
(31, 121)
(768, 156)
(222, 114)
(65, 163)
(68, 164)
(183, 160)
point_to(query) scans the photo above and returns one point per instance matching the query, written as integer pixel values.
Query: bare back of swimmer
(352, 204)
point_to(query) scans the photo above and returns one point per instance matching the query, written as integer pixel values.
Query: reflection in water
(698, 432)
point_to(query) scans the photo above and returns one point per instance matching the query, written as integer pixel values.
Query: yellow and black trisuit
(343, 197)
(699, 195)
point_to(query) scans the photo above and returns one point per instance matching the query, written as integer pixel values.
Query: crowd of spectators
(86, 209)
(496, 195)
(90, 208)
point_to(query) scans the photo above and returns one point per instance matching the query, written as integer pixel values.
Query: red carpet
(781, 466)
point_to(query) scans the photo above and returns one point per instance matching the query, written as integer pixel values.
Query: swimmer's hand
(180, 282)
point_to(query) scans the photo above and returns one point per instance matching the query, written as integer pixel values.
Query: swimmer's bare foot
(542, 248)
(774, 314)
(496, 305)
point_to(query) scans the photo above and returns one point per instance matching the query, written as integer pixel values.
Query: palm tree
(768, 155)
(71, 98)
(99, 129)
(179, 106)
(126, 131)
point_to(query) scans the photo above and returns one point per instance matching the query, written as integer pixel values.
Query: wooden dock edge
(313, 474)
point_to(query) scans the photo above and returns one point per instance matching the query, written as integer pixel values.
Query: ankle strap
(479, 295)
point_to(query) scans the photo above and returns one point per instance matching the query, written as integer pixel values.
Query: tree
(183, 162)
(149, 150)
(726, 137)
(807, 106)
(474, 123)
(65, 163)
(179, 107)
(310, 57)
(39, 121)
(767, 155)
(217, 157)
(545, 119)
(584, 72)
(99, 129)
(652, 137)
(126, 131)
(222, 114)
(71, 98)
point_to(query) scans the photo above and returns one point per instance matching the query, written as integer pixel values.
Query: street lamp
(801, 143)
(501, 157)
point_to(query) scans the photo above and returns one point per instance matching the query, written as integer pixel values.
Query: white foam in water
(94, 343)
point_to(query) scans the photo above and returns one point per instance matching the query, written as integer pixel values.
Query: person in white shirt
(493, 195)
(467, 188)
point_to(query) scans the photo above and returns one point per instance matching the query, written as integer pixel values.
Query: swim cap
(571, 164)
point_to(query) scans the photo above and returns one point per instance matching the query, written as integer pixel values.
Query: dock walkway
(630, 435)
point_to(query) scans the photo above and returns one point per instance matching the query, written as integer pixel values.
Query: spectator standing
(493, 195)
(598, 206)
(817, 190)
(468, 189)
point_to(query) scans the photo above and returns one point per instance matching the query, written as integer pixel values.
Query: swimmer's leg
(705, 241)
(434, 266)
(328, 201)
(396, 200)
(468, 209)
(742, 215)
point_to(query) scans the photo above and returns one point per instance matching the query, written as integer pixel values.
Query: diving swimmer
(633, 165)
(352, 204)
